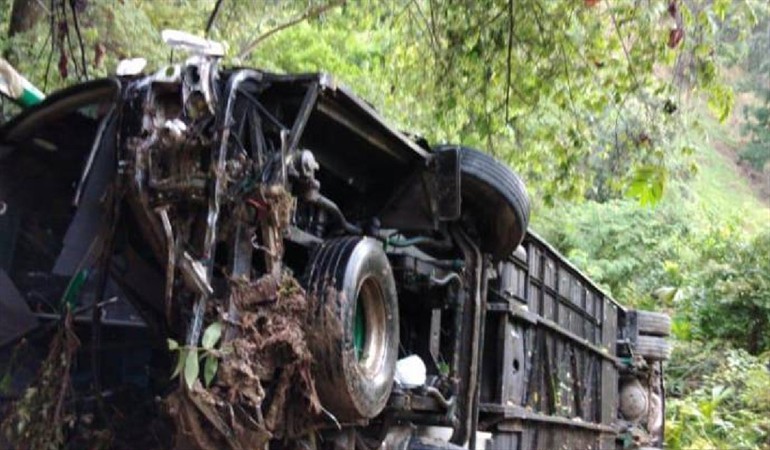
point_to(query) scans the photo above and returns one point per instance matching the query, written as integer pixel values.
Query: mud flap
(447, 184)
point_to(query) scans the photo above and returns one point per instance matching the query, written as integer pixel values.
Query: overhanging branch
(309, 14)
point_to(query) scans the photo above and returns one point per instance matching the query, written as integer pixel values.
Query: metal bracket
(446, 188)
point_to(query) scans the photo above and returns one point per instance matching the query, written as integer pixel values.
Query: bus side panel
(549, 374)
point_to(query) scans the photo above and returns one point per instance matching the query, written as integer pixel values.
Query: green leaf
(666, 294)
(210, 369)
(721, 7)
(648, 184)
(720, 101)
(191, 368)
(5, 383)
(172, 344)
(681, 329)
(211, 335)
(179, 362)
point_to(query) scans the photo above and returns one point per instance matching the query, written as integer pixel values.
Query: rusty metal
(171, 257)
(305, 109)
(240, 267)
(439, 397)
(560, 368)
(474, 272)
(328, 205)
(228, 210)
(518, 412)
(549, 434)
(219, 158)
(194, 275)
(435, 335)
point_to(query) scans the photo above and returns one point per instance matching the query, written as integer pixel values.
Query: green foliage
(676, 257)
(757, 127)
(734, 302)
(720, 102)
(188, 358)
(717, 398)
(211, 336)
(191, 368)
(586, 102)
(632, 251)
(721, 193)
(568, 93)
(571, 74)
(713, 277)
(648, 184)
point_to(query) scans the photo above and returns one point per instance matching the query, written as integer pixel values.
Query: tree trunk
(24, 15)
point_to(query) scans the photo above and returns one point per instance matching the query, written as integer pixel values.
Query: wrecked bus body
(307, 275)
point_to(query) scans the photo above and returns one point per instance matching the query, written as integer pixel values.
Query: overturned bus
(224, 258)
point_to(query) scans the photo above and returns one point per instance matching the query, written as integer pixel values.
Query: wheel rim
(359, 330)
(369, 332)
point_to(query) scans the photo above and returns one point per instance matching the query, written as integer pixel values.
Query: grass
(720, 187)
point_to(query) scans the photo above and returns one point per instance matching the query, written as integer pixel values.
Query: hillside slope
(722, 186)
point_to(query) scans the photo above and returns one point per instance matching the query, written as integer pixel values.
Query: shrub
(718, 397)
(733, 294)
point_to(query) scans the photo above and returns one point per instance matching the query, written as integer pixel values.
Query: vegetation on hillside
(757, 126)
(610, 110)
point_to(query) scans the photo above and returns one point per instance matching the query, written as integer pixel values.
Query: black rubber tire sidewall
(496, 198)
(653, 323)
(652, 348)
(342, 387)
(370, 394)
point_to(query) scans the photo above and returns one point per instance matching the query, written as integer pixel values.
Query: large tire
(355, 326)
(653, 323)
(652, 348)
(496, 199)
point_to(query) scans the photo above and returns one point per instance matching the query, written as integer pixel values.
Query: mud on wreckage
(311, 277)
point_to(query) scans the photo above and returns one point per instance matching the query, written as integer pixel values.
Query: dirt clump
(264, 388)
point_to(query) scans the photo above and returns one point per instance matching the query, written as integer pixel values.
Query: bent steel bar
(219, 155)
(308, 104)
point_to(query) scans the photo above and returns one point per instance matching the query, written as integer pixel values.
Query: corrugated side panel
(550, 355)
